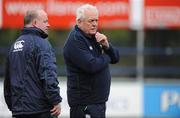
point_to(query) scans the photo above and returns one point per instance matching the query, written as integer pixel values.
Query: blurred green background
(161, 51)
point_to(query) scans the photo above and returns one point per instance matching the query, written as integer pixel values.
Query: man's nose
(94, 23)
(48, 25)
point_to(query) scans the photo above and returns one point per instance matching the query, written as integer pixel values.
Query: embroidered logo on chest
(90, 47)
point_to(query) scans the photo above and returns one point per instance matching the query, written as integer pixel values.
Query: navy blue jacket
(30, 84)
(87, 69)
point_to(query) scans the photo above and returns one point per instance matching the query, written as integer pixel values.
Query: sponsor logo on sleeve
(18, 46)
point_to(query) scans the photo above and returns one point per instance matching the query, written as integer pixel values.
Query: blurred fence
(116, 70)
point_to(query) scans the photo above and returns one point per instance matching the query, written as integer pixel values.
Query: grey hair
(80, 11)
(30, 16)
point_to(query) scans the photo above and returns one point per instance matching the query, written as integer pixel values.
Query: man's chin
(46, 32)
(93, 33)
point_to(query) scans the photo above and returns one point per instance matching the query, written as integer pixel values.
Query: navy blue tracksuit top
(88, 72)
(31, 85)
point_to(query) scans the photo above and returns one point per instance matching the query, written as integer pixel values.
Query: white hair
(80, 11)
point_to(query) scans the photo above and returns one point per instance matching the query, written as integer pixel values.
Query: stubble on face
(90, 22)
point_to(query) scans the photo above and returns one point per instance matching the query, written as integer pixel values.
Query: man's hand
(102, 39)
(56, 110)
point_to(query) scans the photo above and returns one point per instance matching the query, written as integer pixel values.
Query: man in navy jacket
(31, 86)
(87, 54)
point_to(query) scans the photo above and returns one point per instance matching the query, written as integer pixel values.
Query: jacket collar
(35, 31)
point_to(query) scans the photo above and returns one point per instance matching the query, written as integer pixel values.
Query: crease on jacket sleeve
(48, 75)
(113, 54)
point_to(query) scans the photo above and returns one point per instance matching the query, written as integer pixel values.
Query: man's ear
(79, 21)
(34, 22)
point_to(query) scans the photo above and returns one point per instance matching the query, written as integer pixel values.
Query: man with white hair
(87, 54)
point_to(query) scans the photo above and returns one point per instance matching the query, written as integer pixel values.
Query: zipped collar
(35, 31)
